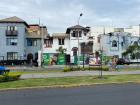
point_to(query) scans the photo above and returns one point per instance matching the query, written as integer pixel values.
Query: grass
(129, 69)
(69, 81)
(36, 71)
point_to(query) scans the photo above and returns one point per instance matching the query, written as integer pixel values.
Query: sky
(58, 15)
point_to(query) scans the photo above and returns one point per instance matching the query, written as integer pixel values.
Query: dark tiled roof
(13, 19)
(76, 27)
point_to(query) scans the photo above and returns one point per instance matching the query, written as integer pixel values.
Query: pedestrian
(115, 66)
(110, 65)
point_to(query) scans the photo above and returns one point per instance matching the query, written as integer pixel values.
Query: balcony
(11, 33)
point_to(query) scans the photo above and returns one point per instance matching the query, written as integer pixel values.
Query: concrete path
(77, 73)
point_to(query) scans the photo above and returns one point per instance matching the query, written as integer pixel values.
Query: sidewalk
(77, 73)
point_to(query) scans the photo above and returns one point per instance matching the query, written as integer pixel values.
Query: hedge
(6, 78)
(68, 69)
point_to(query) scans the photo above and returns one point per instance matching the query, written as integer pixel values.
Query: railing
(11, 33)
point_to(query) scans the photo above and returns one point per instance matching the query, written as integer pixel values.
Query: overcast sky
(57, 15)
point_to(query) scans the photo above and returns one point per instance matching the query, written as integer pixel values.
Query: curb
(65, 86)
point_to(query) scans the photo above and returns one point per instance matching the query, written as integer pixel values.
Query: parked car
(122, 61)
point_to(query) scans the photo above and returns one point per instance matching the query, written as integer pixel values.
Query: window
(98, 39)
(76, 33)
(122, 43)
(61, 41)
(11, 41)
(85, 34)
(136, 43)
(12, 28)
(12, 55)
(31, 42)
(114, 43)
(49, 42)
(80, 34)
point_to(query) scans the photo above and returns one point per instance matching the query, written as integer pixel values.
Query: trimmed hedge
(6, 78)
(69, 69)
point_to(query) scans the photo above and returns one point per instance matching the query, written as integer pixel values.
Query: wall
(20, 48)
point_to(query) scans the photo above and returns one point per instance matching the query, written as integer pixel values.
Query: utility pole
(78, 39)
(42, 43)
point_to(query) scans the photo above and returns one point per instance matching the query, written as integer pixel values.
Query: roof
(35, 31)
(13, 19)
(76, 27)
(59, 35)
(117, 34)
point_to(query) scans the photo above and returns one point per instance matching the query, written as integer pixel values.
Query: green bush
(69, 69)
(6, 78)
(99, 68)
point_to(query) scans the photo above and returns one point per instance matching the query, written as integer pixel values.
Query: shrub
(99, 68)
(68, 69)
(6, 78)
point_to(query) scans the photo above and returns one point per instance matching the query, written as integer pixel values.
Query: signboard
(46, 59)
(61, 59)
(94, 61)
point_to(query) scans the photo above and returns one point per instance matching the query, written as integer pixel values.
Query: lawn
(35, 71)
(69, 81)
(129, 69)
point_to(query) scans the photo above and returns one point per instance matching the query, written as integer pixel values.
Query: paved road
(77, 73)
(126, 94)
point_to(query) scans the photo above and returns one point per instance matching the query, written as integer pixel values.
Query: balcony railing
(11, 33)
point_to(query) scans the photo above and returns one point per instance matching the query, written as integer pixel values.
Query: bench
(95, 65)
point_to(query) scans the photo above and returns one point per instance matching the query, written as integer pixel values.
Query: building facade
(79, 41)
(18, 40)
(12, 44)
(73, 41)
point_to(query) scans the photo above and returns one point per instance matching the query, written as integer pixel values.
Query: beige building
(135, 30)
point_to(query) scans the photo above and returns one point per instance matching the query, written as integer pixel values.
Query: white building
(115, 43)
(79, 41)
(95, 32)
(134, 30)
(73, 41)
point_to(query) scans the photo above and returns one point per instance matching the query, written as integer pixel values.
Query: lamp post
(78, 39)
(84, 44)
(81, 14)
(101, 60)
(42, 42)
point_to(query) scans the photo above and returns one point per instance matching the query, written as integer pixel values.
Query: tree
(61, 50)
(133, 51)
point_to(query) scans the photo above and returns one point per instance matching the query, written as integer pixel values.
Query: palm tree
(61, 50)
(132, 50)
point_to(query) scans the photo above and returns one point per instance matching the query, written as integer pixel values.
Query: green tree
(133, 51)
(61, 50)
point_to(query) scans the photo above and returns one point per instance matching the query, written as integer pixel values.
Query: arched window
(114, 43)
(136, 43)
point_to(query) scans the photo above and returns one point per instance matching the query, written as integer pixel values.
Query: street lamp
(101, 61)
(84, 44)
(78, 38)
(81, 14)
(42, 43)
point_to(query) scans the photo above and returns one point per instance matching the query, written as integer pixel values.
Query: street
(124, 94)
